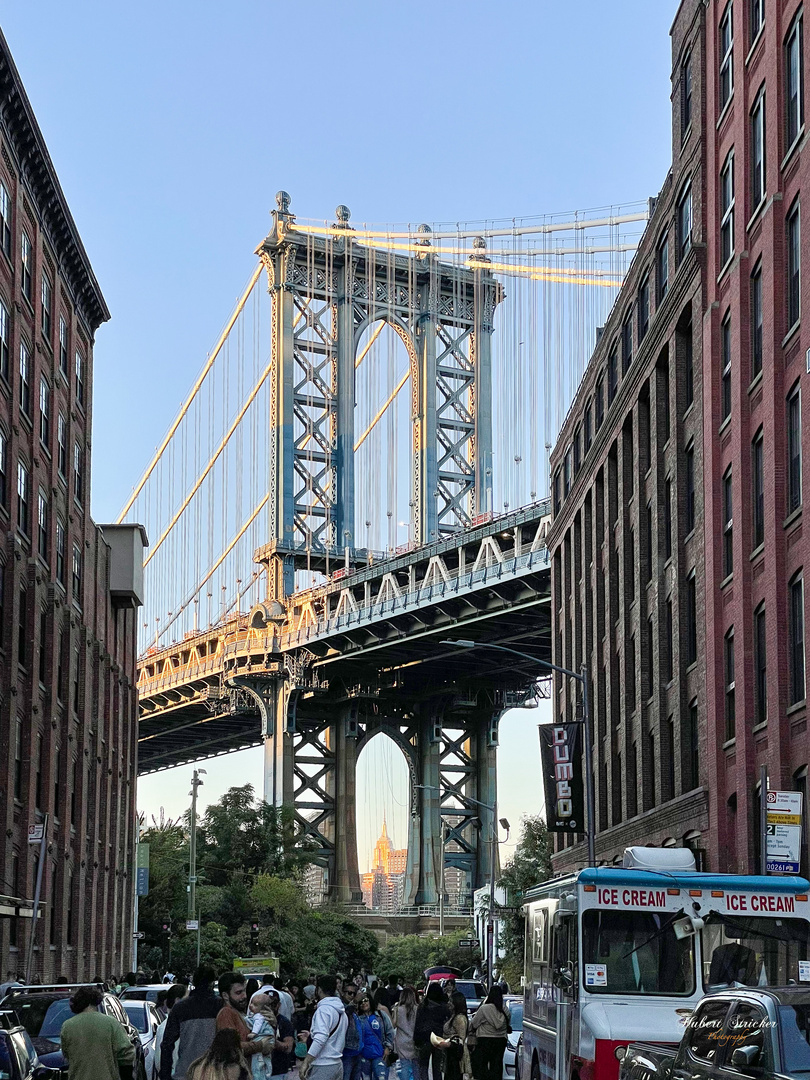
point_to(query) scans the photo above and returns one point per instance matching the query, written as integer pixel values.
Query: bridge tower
(327, 290)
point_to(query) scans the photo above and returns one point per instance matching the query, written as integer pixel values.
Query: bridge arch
(387, 387)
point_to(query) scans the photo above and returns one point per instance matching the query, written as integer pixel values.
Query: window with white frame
(726, 53)
(758, 150)
(794, 81)
(727, 209)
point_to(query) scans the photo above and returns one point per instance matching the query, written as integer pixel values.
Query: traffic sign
(35, 834)
(139, 935)
(784, 832)
(192, 924)
(468, 943)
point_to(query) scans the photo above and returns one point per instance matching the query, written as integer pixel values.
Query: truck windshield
(752, 951)
(635, 952)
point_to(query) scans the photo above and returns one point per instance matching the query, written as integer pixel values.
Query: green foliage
(530, 864)
(216, 948)
(410, 955)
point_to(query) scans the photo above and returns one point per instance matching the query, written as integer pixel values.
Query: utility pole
(491, 923)
(192, 868)
(441, 885)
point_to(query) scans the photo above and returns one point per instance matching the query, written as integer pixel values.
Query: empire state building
(383, 886)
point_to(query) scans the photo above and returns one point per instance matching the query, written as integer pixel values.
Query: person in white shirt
(324, 1060)
(175, 992)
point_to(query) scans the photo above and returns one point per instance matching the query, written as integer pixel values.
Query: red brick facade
(68, 701)
(732, 467)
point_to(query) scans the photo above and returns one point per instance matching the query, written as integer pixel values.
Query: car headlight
(620, 1053)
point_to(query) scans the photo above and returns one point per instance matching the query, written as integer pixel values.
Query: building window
(728, 526)
(686, 94)
(691, 758)
(42, 525)
(631, 564)
(69, 893)
(662, 268)
(727, 209)
(756, 18)
(758, 489)
(46, 296)
(794, 81)
(731, 713)
(668, 519)
(756, 321)
(670, 669)
(557, 503)
(79, 378)
(758, 150)
(630, 675)
(5, 340)
(725, 367)
(586, 428)
(685, 222)
(43, 631)
(650, 656)
(60, 552)
(662, 372)
(26, 267)
(25, 379)
(690, 489)
(690, 366)
(5, 219)
(691, 619)
(567, 473)
(643, 319)
(796, 615)
(61, 442)
(577, 450)
(18, 760)
(649, 539)
(63, 346)
(22, 628)
(44, 413)
(78, 473)
(600, 402)
(726, 54)
(760, 667)
(38, 772)
(3, 469)
(794, 264)
(612, 376)
(794, 439)
(77, 573)
(23, 498)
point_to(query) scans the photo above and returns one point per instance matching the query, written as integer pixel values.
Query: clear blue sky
(172, 125)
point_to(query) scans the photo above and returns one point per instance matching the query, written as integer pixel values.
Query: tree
(530, 864)
(168, 867)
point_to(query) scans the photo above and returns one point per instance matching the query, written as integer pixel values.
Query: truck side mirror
(745, 1057)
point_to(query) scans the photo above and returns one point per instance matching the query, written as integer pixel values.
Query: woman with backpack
(377, 1033)
(353, 1046)
(404, 1018)
(489, 1028)
(431, 1016)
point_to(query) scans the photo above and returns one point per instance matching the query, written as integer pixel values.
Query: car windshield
(795, 1033)
(43, 1017)
(635, 952)
(136, 1011)
(753, 951)
(471, 989)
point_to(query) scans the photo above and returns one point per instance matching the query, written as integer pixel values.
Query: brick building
(715, 687)
(68, 589)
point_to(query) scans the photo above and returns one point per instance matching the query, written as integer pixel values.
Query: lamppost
(582, 679)
(192, 867)
(493, 857)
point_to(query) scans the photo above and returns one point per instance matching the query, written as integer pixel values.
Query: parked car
(144, 993)
(18, 1058)
(763, 1033)
(143, 1016)
(515, 1005)
(42, 1010)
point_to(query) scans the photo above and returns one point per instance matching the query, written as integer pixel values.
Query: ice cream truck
(616, 954)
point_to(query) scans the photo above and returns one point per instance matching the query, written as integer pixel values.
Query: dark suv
(42, 1010)
(18, 1058)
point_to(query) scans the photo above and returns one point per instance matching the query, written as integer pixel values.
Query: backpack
(354, 1038)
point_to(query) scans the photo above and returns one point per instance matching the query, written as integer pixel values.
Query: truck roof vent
(666, 860)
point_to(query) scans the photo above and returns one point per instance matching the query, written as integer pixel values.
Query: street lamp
(494, 851)
(582, 679)
(192, 862)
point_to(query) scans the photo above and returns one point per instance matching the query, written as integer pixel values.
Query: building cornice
(36, 167)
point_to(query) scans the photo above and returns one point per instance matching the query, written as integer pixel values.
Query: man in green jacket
(95, 1045)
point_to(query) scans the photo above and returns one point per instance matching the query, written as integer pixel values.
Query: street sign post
(468, 943)
(142, 870)
(784, 832)
(35, 834)
(192, 924)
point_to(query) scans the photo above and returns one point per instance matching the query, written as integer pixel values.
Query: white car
(515, 1005)
(143, 1016)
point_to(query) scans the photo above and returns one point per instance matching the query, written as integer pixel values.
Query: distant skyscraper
(383, 886)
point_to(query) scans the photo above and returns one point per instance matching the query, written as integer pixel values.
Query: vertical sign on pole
(784, 827)
(142, 870)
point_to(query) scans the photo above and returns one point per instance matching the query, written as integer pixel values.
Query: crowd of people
(324, 1028)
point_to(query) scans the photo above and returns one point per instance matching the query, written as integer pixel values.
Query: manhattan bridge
(358, 476)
